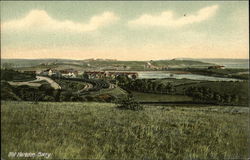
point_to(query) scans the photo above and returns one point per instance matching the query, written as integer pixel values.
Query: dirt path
(86, 88)
(38, 79)
(24, 83)
(50, 81)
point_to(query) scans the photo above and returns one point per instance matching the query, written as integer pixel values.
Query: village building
(149, 65)
(108, 74)
(45, 72)
(69, 73)
(49, 72)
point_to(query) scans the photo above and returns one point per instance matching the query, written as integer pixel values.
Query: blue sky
(124, 30)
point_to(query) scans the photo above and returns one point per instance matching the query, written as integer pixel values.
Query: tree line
(145, 85)
(199, 94)
(204, 94)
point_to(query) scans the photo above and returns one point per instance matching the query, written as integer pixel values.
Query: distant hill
(227, 62)
(33, 62)
(102, 64)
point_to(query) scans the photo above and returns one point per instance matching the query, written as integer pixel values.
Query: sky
(124, 30)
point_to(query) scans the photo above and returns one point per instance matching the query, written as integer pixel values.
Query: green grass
(221, 87)
(228, 72)
(176, 82)
(70, 84)
(11, 75)
(116, 92)
(101, 131)
(151, 97)
(237, 88)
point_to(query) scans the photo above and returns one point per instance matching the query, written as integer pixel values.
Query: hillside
(101, 131)
(99, 64)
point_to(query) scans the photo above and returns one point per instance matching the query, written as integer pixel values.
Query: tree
(66, 96)
(235, 99)
(160, 87)
(228, 98)
(48, 98)
(129, 103)
(47, 89)
(85, 76)
(172, 89)
(217, 97)
(154, 86)
(123, 79)
(133, 76)
(169, 88)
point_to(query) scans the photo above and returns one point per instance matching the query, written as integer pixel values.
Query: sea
(229, 63)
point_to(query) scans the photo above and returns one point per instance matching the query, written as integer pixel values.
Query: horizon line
(183, 58)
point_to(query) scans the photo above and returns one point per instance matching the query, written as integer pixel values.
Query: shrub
(65, 96)
(48, 98)
(76, 98)
(7, 92)
(106, 98)
(47, 89)
(129, 103)
(89, 98)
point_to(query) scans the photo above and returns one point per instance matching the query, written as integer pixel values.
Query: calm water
(229, 63)
(158, 75)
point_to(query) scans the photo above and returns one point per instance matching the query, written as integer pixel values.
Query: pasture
(152, 97)
(92, 130)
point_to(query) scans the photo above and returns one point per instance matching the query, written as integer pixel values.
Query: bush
(47, 89)
(76, 98)
(11, 75)
(129, 103)
(7, 92)
(48, 98)
(89, 98)
(65, 96)
(106, 98)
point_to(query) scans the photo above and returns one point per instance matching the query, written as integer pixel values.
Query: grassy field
(228, 72)
(101, 131)
(239, 88)
(11, 75)
(221, 87)
(176, 82)
(151, 97)
(70, 84)
(117, 92)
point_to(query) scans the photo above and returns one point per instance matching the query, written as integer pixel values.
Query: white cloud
(40, 20)
(167, 19)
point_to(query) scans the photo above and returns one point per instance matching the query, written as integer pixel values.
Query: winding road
(86, 87)
(90, 85)
(50, 81)
(24, 83)
(38, 79)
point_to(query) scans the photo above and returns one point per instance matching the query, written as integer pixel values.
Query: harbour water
(229, 63)
(162, 74)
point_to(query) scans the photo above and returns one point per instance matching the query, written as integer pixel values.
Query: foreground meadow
(101, 131)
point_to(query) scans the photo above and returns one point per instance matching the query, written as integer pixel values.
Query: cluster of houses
(71, 73)
(116, 67)
(68, 73)
(111, 75)
(149, 65)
